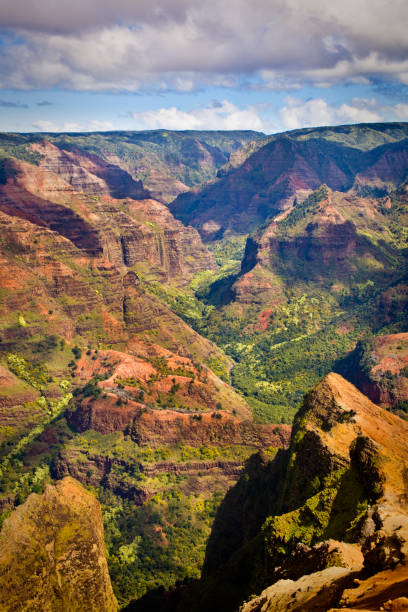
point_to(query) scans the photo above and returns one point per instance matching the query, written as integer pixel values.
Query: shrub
(77, 352)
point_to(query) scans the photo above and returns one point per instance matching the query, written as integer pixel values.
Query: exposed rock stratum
(52, 554)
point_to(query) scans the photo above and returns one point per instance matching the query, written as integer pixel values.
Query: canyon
(167, 300)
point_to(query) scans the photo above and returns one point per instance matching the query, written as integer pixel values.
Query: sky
(266, 65)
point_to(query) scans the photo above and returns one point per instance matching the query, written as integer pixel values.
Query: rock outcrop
(52, 554)
(329, 233)
(312, 593)
(337, 497)
(149, 427)
(67, 292)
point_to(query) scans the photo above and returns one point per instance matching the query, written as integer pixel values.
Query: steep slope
(53, 294)
(312, 282)
(141, 234)
(379, 368)
(52, 553)
(363, 136)
(333, 236)
(101, 380)
(167, 162)
(88, 173)
(154, 433)
(285, 171)
(338, 492)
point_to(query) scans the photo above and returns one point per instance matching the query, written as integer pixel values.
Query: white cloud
(183, 44)
(360, 70)
(43, 125)
(297, 113)
(77, 15)
(217, 116)
(99, 126)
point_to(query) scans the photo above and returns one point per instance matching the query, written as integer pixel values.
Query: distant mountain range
(269, 176)
(167, 162)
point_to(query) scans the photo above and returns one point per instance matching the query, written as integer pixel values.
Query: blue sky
(268, 65)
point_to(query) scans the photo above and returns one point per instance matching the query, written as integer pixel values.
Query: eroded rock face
(168, 162)
(128, 229)
(30, 195)
(112, 473)
(387, 590)
(155, 235)
(330, 236)
(52, 554)
(321, 236)
(150, 427)
(283, 170)
(264, 185)
(337, 497)
(89, 173)
(70, 293)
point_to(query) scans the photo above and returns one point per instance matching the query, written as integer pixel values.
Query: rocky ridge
(312, 282)
(84, 340)
(151, 425)
(329, 231)
(343, 477)
(88, 173)
(168, 162)
(120, 404)
(53, 554)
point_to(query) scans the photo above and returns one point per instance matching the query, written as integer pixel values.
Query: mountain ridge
(288, 510)
(282, 171)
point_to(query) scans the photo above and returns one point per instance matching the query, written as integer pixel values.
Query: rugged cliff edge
(330, 510)
(52, 554)
(379, 368)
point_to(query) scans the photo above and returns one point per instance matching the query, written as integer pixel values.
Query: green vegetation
(334, 511)
(35, 374)
(361, 137)
(315, 321)
(17, 145)
(305, 208)
(191, 157)
(229, 251)
(157, 544)
(158, 516)
(313, 328)
(162, 540)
